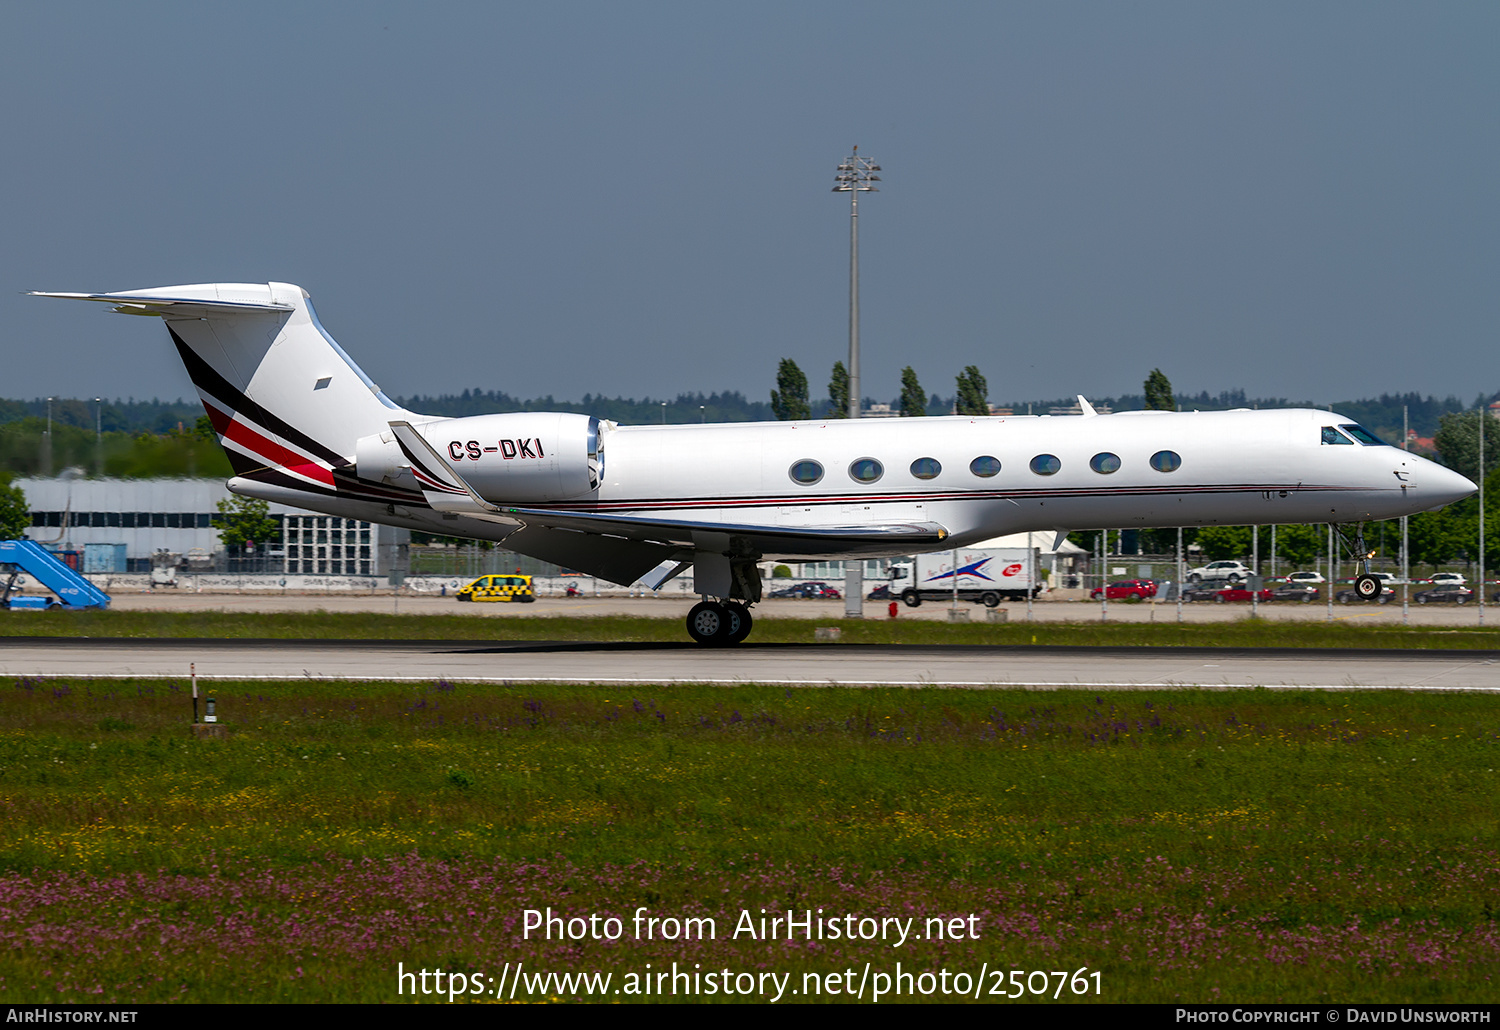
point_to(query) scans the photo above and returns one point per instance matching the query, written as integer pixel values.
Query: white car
(1306, 578)
(1440, 578)
(1233, 571)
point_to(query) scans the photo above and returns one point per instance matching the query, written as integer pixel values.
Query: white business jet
(303, 426)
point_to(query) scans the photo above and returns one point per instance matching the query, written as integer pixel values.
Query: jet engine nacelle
(524, 457)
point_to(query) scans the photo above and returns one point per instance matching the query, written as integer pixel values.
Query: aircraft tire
(740, 623)
(1367, 587)
(911, 598)
(708, 623)
(991, 600)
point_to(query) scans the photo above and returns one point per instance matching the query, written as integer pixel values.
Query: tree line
(790, 400)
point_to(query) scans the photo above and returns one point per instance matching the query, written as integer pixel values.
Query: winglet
(442, 487)
(1086, 407)
(1057, 541)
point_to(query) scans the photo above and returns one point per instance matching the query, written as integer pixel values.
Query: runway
(789, 664)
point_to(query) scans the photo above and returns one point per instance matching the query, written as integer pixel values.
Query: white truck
(986, 576)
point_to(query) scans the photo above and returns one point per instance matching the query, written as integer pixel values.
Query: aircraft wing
(631, 545)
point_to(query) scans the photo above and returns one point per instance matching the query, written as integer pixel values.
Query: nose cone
(1438, 486)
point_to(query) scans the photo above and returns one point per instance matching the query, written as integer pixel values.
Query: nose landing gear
(1366, 586)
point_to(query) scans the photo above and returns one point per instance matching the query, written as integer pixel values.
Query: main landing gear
(719, 623)
(1366, 586)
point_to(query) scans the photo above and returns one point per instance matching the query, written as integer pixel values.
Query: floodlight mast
(854, 177)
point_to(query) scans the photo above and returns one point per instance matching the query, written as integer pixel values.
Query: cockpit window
(1332, 435)
(1364, 436)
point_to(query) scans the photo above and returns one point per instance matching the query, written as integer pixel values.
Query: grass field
(1226, 845)
(1247, 632)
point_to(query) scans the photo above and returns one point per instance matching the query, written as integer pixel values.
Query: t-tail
(287, 403)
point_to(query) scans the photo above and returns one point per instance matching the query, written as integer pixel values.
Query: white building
(173, 515)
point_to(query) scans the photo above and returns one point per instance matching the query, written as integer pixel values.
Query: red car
(1127, 588)
(1233, 594)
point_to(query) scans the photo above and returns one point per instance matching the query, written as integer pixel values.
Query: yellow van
(499, 588)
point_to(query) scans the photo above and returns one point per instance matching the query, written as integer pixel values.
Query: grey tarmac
(790, 664)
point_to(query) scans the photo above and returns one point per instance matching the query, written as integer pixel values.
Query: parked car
(1447, 579)
(813, 589)
(1141, 588)
(1448, 593)
(880, 593)
(1240, 594)
(1303, 592)
(1201, 592)
(1349, 596)
(1306, 577)
(1233, 571)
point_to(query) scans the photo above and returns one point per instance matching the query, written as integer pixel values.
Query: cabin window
(926, 468)
(807, 472)
(1105, 463)
(1364, 436)
(1333, 436)
(985, 466)
(1166, 461)
(866, 470)
(1045, 464)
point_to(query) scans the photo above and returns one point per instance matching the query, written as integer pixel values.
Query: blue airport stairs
(71, 589)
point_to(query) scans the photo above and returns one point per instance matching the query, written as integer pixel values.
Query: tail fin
(279, 391)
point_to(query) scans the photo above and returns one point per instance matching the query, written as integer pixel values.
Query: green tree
(913, 397)
(1299, 545)
(973, 393)
(1222, 542)
(1457, 440)
(244, 518)
(1159, 392)
(789, 399)
(838, 391)
(15, 513)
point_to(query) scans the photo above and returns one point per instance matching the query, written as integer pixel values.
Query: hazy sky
(1299, 199)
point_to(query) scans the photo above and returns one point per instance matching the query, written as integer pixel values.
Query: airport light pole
(854, 177)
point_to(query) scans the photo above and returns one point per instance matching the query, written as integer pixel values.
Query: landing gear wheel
(708, 623)
(991, 600)
(911, 598)
(1367, 587)
(739, 623)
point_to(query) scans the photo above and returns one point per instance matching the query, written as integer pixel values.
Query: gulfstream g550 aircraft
(304, 426)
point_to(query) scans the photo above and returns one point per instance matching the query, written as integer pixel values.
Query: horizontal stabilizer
(147, 302)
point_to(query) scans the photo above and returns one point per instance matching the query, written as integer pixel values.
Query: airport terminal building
(149, 518)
